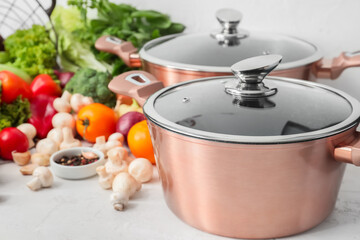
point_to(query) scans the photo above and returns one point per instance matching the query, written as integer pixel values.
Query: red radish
(12, 139)
(127, 120)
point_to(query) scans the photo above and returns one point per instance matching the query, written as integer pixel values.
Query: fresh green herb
(93, 84)
(31, 50)
(15, 113)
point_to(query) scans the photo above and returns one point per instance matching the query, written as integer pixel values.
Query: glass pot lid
(252, 109)
(217, 51)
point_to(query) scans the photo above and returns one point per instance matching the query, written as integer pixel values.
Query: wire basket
(22, 14)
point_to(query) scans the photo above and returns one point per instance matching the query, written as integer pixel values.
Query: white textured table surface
(81, 210)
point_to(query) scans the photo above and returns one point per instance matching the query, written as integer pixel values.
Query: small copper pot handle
(332, 68)
(125, 50)
(349, 153)
(136, 84)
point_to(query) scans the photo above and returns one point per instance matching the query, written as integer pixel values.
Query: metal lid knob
(250, 73)
(229, 34)
(229, 19)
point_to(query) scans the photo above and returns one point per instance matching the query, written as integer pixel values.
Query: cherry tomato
(12, 86)
(44, 84)
(95, 120)
(12, 139)
(139, 141)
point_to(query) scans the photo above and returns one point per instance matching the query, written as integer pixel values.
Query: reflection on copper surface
(249, 191)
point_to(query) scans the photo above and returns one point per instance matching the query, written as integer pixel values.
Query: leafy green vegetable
(14, 114)
(4, 57)
(93, 84)
(74, 53)
(31, 50)
(120, 20)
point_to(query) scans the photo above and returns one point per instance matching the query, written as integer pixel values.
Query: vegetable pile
(61, 108)
(77, 33)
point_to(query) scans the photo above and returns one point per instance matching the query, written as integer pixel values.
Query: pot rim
(351, 121)
(144, 55)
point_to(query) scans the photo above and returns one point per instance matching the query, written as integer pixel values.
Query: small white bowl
(75, 172)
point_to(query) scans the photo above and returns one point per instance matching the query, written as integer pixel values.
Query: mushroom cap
(141, 169)
(117, 154)
(124, 182)
(44, 175)
(28, 128)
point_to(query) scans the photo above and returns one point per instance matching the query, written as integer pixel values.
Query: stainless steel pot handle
(249, 76)
(229, 34)
(332, 68)
(125, 50)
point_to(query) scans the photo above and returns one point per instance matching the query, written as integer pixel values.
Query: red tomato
(12, 86)
(12, 139)
(44, 84)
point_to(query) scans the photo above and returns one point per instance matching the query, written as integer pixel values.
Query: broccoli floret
(91, 83)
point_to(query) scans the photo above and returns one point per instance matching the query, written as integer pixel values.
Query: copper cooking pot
(177, 58)
(247, 158)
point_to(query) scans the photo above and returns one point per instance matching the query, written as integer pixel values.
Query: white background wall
(334, 25)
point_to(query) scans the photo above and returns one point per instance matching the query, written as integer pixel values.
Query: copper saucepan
(242, 157)
(177, 58)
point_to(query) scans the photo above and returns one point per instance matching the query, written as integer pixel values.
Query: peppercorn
(75, 160)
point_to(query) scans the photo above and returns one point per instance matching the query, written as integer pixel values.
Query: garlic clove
(21, 158)
(89, 155)
(28, 169)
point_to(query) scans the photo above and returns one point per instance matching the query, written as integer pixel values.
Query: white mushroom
(30, 131)
(115, 164)
(141, 169)
(69, 140)
(124, 186)
(21, 158)
(116, 137)
(42, 178)
(41, 159)
(63, 119)
(46, 146)
(114, 140)
(78, 101)
(112, 144)
(62, 104)
(56, 135)
(105, 179)
(100, 144)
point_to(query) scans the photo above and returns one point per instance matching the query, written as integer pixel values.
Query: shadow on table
(346, 212)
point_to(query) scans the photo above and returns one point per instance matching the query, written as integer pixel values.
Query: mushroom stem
(119, 200)
(34, 184)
